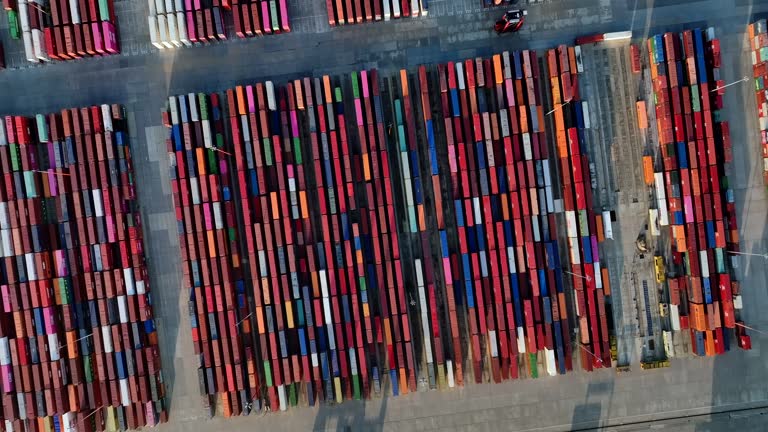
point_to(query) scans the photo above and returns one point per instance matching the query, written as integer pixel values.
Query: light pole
(244, 318)
(599, 360)
(76, 340)
(764, 255)
(558, 107)
(587, 278)
(728, 85)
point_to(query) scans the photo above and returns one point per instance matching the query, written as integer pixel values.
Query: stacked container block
(758, 42)
(213, 267)
(173, 23)
(344, 12)
(692, 191)
(584, 228)
(507, 256)
(78, 344)
(67, 30)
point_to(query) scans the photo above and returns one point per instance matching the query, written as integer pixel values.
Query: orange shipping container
(599, 226)
(648, 170)
(606, 281)
(642, 116)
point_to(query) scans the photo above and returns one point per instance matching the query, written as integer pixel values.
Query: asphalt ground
(142, 78)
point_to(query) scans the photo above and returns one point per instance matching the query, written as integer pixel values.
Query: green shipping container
(13, 25)
(687, 263)
(87, 368)
(695, 100)
(292, 394)
(29, 184)
(203, 106)
(356, 387)
(213, 167)
(534, 366)
(267, 152)
(297, 150)
(103, 10)
(337, 93)
(764, 54)
(583, 223)
(273, 13)
(355, 91)
(14, 157)
(268, 373)
(42, 128)
(719, 260)
(759, 84)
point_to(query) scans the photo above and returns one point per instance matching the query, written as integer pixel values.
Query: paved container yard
(142, 78)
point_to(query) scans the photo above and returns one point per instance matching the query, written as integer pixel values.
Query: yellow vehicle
(660, 271)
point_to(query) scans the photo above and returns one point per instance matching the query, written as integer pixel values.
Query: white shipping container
(38, 44)
(460, 74)
(194, 190)
(352, 360)
(218, 220)
(174, 108)
(476, 207)
(419, 274)
(125, 395)
(550, 200)
(29, 50)
(598, 275)
(668, 346)
(152, 8)
(3, 139)
(128, 279)
(387, 14)
(5, 235)
(122, 308)
(449, 363)
(570, 224)
(396, 8)
(173, 32)
(405, 166)
(245, 128)
(97, 204)
(408, 193)
(74, 11)
(737, 302)
(415, 8)
(511, 259)
(22, 405)
(154, 34)
(4, 224)
(193, 112)
(329, 318)
(162, 27)
(179, 6)
(520, 341)
(31, 268)
(323, 285)
(674, 317)
(607, 225)
(106, 338)
(160, 6)
(106, 117)
(577, 54)
(5, 353)
(704, 264)
(504, 122)
(493, 343)
(8, 424)
(53, 346)
(271, 96)
(24, 16)
(182, 26)
(658, 179)
(207, 137)
(663, 215)
(573, 246)
(315, 360)
(653, 216)
(69, 422)
(169, 6)
(140, 288)
(550, 361)
(547, 175)
(585, 111)
(507, 65)
(527, 151)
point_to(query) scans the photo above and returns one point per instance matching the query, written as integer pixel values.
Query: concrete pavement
(455, 29)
